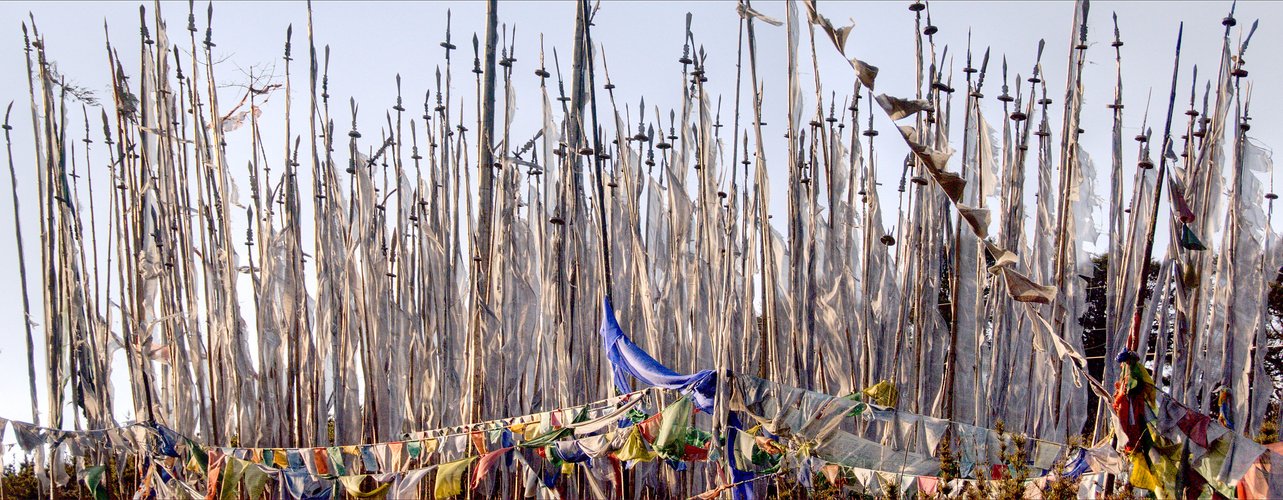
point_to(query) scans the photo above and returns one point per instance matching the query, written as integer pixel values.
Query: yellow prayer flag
(634, 448)
(450, 478)
(1142, 476)
(279, 459)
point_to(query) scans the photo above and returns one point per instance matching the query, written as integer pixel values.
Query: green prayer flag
(547, 438)
(582, 416)
(232, 473)
(255, 481)
(93, 479)
(636, 416)
(674, 426)
(336, 458)
(198, 454)
(1189, 241)
(554, 435)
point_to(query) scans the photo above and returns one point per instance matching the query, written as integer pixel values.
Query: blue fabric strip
(626, 358)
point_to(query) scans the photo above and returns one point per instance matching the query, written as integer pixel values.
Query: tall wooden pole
(1133, 336)
(485, 195)
(597, 155)
(35, 126)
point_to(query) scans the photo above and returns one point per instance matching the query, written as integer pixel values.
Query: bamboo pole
(31, 363)
(22, 264)
(1133, 335)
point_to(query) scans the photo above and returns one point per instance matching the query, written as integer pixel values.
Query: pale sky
(372, 42)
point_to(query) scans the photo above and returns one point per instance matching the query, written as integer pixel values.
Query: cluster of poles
(453, 271)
